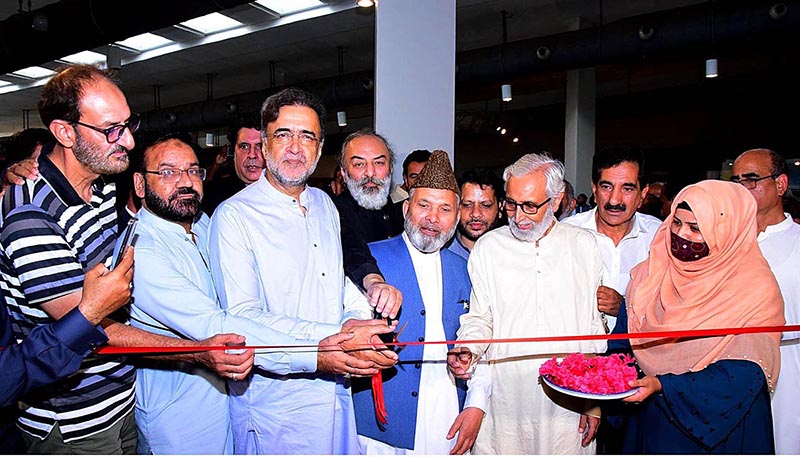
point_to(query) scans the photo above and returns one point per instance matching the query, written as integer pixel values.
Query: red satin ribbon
(672, 334)
(377, 379)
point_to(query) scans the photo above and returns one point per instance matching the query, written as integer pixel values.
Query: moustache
(184, 191)
(118, 148)
(610, 207)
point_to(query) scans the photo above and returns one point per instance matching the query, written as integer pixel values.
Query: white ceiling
(304, 47)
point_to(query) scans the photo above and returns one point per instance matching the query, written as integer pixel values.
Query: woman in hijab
(705, 271)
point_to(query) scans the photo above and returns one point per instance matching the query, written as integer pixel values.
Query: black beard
(181, 211)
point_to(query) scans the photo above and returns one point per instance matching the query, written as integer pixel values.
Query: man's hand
(459, 361)
(106, 291)
(648, 385)
(366, 343)
(332, 358)
(233, 366)
(467, 424)
(588, 428)
(385, 298)
(608, 300)
(18, 172)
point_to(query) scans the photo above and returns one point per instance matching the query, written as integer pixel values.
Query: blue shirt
(457, 248)
(174, 295)
(49, 353)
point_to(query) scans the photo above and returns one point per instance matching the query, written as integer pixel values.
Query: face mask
(685, 250)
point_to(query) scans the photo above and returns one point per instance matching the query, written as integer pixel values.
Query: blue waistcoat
(401, 382)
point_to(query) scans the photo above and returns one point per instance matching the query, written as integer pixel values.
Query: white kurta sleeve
(479, 387)
(592, 316)
(168, 297)
(356, 305)
(477, 323)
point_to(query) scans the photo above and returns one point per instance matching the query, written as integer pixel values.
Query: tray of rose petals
(596, 377)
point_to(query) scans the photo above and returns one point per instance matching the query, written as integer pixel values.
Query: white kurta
(528, 289)
(438, 400)
(282, 268)
(619, 260)
(780, 244)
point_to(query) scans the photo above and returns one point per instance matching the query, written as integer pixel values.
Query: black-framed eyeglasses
(286, 137)
(115, 132)
(531, 208)
(173, 175)
(751, 183)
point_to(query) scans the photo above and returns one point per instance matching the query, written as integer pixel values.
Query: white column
(579, 134)
(415, 56)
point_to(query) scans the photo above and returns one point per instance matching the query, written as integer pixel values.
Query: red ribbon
(377, 379)
(672, 334)
(377, 397)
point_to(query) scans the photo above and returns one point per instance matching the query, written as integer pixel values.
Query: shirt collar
(777, 228)
(266, 188)
(160, 224)
(58, 182)
(637, 228)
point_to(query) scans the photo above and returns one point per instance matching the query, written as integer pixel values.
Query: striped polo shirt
(49, 237)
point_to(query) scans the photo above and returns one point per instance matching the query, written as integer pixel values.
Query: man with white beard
(428, 411)
(367, 215)
(543, 285)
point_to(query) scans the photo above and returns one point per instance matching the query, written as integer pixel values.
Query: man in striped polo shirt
(54, 229)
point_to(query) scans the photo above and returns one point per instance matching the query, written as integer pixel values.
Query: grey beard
(424, 243)
(97, 160)
(275, 171)
(369, 197)
(538, 230)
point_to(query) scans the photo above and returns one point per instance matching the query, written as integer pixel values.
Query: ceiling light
(209, 139)
(505, 90)
(365, 3)
(515, 140)
(341, 118)
(144, 42)
(502, 131)
(284, 7)
(498, 128)
(211, 23)
(711, 68)
(86, 57)
(34, 72)
(797, 163)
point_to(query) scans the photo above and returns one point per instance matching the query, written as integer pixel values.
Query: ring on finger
(233, 376)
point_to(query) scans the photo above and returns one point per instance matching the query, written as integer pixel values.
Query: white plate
(578, 394)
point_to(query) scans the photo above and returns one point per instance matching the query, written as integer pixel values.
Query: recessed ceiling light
(88, 57)
(34, 72)
(211, 23)
(284, 7)
(144, 42)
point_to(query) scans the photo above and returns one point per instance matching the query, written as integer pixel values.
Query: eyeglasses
(532, 208)
(286, 137)
(751, 183)
(115, 132)
(173, 175)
